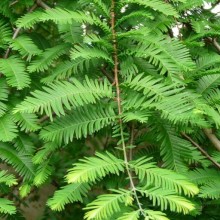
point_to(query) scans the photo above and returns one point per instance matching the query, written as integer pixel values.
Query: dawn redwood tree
(114, 102)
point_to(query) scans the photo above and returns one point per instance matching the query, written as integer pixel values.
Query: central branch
(116, 79)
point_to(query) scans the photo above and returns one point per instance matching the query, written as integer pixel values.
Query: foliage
(103, 100)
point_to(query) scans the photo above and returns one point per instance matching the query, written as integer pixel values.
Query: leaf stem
(212, 137)
(17, 31)
(118, 98)
(201, 150)
(43, 5)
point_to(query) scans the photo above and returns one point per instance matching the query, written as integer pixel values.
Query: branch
(13, 3)
(214, 42)
(45, 118)
(109, 77)
(131, 141)
(208, 132)
(118, 98)
(17, 31)
(212, 137)
(43, 4)
(201, 150)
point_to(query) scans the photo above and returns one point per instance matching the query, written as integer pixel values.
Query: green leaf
(45, 60)
(44, 152)
(163, 178)
(134, 215)
(207, 83)
(64, 94)
(158, 5)
(68, 194)
(25, 46)
(7, 206)
(8, 179)
(28, 20)
(163, 198)
(87, 53)
(24, 190)
(42, 173)
(78, 124)
(64, 16)
(14, 70)
(95, 168)
(26, 121)
(20, 161)
(156, 215)
(5, 34)
(4, 91)
(8, 129)
(108, 204)
(210, 190)
(204, 176)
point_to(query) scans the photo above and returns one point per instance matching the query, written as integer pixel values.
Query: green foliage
(14, 70)
(103, 100)
(7, 207)
(91, 169)
(25, 46)
(70, 193)
(64, 94)
(8, 129)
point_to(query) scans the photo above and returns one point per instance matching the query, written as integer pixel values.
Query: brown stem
(131, 145)
(14, 36)
(201, 150)
(13, 3)
(109, 77)
(43, 4)
(17, 31)
(131, 142)
(44, 118)
(214, 42)
(212, 137)
(208, 132)
(115, 57)
(118, 98)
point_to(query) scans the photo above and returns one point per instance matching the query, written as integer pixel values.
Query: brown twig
(214, 42)
(17, 31)
(44, 118)
(118, 98)
(208, 132)
(212, 137)
(201, 149)
(13, 3)
(131, 141)
(109, 77)
(43, 4)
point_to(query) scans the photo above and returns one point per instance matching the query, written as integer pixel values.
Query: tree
(103, 100)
